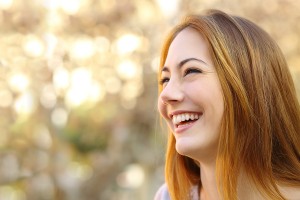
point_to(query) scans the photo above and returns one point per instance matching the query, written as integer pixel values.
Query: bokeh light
(61, 78)
(70, 7)
(48, 97)
(33, 46)
(6, 4)
(19, 82)
(83, 48)
(132, 177)
(59, 117)
(128, 43)
(168, 7)
(25, 104)
(128, 70)
(78, 91)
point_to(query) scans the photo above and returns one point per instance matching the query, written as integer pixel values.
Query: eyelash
(191, 70)
(163, 80)
(186, 72)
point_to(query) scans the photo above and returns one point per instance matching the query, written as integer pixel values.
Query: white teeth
(192, 117)
(187, 116)
(178, 118)
(184, 117)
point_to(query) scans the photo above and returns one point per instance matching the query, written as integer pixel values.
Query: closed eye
(164, 80)
(192, 70)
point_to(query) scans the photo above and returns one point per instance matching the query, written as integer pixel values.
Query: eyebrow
(166, 69)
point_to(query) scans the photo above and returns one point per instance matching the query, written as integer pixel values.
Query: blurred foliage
(78, 92)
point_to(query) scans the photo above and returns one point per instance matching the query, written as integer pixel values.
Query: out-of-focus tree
(78, 92)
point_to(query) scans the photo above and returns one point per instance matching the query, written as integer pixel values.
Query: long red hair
(260, 131)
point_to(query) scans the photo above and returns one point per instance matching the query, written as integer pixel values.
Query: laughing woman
(229, 100)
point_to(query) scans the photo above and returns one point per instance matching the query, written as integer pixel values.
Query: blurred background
(78, 116)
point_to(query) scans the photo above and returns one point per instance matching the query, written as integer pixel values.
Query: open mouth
(185, 119)
(184, 123)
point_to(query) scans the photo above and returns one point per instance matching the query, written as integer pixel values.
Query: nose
(172, 93)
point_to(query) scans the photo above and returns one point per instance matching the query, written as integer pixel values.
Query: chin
(185, 148)
(196, 151)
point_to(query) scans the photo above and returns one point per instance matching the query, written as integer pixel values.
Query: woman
(228, 98)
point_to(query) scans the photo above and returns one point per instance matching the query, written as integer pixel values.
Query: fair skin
(192, 104)
(191, 88)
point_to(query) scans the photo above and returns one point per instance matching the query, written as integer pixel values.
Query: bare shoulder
(162, 193)
(291, 193)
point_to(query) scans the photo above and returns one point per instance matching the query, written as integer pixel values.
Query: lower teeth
(185, 124)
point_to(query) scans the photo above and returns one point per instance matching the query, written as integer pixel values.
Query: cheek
(162, 108)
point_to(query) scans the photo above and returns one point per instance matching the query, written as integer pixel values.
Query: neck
(209, 190)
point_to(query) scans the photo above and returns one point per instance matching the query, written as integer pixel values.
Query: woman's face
(191, 100)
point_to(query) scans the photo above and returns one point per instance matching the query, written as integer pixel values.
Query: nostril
(163, 102)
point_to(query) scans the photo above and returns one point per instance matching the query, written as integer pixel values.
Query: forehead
(188, 43)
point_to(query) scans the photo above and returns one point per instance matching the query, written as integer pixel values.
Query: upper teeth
(184, 117)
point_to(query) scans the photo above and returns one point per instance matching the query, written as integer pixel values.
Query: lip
(180, 129)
